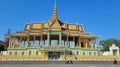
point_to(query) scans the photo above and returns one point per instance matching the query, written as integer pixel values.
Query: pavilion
(52, 40)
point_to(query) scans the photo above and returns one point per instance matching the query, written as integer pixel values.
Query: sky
(99, 17)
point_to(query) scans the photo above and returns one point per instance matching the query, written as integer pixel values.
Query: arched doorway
(53, 55)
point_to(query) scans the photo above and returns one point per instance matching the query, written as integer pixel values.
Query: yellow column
(28, 41)
(48, 39)
(17, 43)
(13, 43)
(60, 39)
(73, 41)
(79, 42)
(41, 40)
(94, 43)
(86, 44)
(34, 41)
(67, 41)
(10, 42)
(20, 42)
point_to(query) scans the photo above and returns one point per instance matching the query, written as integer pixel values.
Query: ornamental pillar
(67, 41)
(48, 38)
(73, 41)
(20, 42)
(34, 41)
(40, 42)
(94, 45)
(28, 41)
(13, 42)
(10, 42)
(79, 42)
(86, 44)
(60, 37)
(17, 43)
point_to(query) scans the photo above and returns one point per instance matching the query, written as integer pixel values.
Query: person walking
(115, 61)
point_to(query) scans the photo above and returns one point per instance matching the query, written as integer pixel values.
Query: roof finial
(55, 10)
(54, 15)
(55, 3)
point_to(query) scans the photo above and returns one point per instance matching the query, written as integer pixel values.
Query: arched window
(76, 52)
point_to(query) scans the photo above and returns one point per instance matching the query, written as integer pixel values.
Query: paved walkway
(58, 64)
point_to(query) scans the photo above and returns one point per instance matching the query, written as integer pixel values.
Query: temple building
(52, 40)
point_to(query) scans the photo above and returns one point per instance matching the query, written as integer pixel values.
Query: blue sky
(99, 17)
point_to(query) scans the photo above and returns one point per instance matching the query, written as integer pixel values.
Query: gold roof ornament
(54, 22)
(54, 15)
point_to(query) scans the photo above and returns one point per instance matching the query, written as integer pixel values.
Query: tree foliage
(1, 47)
(7, 39)
(108, 42)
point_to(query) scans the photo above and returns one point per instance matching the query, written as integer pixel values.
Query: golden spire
(54, 15)
(55, 12)
(54, 22)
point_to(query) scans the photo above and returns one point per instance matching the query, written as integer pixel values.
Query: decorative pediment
(55, 25)
(54, 22)
(113, 47)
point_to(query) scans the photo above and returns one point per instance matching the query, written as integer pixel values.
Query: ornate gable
(55, 25)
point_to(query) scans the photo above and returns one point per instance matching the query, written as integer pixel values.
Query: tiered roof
(54, 24)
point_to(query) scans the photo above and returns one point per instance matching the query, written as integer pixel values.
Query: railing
(62, 57)
(7, 57)
(85, 48)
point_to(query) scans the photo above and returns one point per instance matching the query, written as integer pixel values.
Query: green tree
(108, 42)
(1, 47)
(7, 39)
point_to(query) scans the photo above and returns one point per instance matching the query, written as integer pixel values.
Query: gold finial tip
(55, 5)
(55, 14)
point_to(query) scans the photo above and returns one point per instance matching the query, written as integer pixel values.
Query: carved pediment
(55, 25)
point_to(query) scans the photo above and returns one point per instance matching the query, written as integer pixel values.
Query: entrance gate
(53, 55)
(115, 52)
